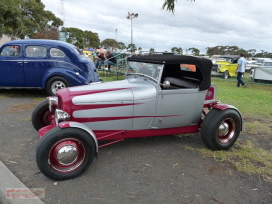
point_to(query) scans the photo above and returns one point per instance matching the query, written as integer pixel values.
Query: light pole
(131, 16)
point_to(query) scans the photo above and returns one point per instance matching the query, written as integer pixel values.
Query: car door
(176, 108)
(35, 64)
(12, 66)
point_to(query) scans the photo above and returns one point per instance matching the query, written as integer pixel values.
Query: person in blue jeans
(241, 70)
(110, 60)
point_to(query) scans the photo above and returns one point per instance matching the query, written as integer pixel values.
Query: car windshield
(228, 59)
(144, 69)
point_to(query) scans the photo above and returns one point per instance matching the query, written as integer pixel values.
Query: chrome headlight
(53, 103)
(61, 116)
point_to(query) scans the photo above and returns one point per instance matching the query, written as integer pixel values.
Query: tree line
(21, 18)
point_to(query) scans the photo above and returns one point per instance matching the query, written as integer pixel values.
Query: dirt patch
(23, 106)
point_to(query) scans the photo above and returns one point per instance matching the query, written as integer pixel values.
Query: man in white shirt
(241, 70)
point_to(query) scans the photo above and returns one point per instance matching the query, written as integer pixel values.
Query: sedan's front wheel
(65, 153)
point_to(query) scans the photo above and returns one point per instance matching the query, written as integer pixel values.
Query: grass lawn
(254, 101)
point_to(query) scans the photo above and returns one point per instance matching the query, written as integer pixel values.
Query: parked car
(46, 64)
(226, 66)
(262, 72)
(161, 95)
(251, 65)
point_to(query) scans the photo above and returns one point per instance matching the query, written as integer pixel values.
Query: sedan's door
(36, 63)
(11, 66)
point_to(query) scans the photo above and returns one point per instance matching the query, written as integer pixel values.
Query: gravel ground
(142, 170)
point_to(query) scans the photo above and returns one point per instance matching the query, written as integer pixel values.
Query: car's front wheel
(226, 74)
(65, 153)
(56, 83)
(221, 128)
(41, 115)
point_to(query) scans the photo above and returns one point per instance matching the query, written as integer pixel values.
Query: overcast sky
(200, 24)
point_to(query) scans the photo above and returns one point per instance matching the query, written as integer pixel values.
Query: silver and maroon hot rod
(161, 95)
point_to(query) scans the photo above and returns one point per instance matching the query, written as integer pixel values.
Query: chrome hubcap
(57, 85)
(66, 155)
(226, 131)
(223, 129)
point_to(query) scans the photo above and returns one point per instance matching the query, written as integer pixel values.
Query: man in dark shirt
(100, 60)
(110, 59)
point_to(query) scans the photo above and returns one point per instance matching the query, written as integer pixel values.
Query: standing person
(110, 59)
(241, 70)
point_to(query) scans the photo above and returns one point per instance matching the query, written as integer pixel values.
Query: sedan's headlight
(61, 116)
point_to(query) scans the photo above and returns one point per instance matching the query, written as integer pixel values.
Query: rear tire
(56, 83)
(221, 128)
(65, 153)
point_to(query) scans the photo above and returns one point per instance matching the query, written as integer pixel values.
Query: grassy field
(254, 101)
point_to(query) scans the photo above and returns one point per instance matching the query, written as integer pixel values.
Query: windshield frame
(145, 69)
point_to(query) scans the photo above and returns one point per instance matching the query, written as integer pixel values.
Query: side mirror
(166, 84)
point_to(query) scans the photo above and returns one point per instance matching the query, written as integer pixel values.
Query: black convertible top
(204, 65)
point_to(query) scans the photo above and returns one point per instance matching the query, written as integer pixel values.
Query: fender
(82, 127)
(222, 107)
(73, 78)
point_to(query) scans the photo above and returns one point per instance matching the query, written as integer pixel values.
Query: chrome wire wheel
(226, 131)
(66, 155)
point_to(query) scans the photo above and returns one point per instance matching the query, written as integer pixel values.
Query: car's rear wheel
(226, 74)
(221, 128)
(41, 115)
(56, 83)
(65, 153)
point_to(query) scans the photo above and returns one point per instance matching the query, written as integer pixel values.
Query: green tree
(10, 16)
(251, 52)
(151, 50)
(177, 50)
(194, 51)
(75, 37)
(33, 19)
(169, 5)
(109, 44)
(121, 46)
(132, 47)
(91, 39)
(139, 48)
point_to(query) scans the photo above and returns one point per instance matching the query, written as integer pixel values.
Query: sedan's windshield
(147, 69)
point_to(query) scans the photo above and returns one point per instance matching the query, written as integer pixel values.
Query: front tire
(41, 115)
(221, 128)
(56, 83)
(226, 74)
(65, 153)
